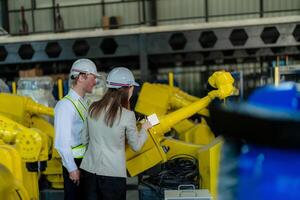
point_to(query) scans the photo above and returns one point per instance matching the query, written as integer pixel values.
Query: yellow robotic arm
(21, 108)
(159, 148)
(28, 142)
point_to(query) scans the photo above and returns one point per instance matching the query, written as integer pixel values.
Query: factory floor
(132, 185)
(132, 192)
(132, 195)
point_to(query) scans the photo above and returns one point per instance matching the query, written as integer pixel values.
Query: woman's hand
(146, 125)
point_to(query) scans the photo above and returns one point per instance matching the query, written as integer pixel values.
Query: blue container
(268, 173)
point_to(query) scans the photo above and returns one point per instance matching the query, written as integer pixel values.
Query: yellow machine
(172, 107)
(162, 99)
(11, 176)
(23, 128)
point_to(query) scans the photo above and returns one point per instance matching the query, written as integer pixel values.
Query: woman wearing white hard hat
(109, 124)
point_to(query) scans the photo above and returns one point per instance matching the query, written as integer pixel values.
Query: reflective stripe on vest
(78, 152)
(79, 106)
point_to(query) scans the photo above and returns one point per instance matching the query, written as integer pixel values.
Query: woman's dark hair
(112, 102)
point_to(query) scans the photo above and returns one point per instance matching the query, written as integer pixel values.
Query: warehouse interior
(222, 76)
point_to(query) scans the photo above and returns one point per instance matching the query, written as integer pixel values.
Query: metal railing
(146, 14)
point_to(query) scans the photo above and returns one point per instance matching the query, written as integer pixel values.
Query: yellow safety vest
(80, 107)
(79, 150)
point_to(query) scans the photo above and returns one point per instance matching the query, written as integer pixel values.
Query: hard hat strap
(118, 84)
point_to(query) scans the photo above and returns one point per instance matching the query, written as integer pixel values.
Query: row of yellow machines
(26, 137)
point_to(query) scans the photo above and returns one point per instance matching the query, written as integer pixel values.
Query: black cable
(180, 169)
(18, 194)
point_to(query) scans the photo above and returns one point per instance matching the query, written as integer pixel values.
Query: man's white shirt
(68, 127)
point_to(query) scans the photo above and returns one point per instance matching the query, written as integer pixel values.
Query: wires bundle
(178, 171)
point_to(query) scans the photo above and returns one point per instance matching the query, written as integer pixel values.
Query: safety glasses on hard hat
(86, 72)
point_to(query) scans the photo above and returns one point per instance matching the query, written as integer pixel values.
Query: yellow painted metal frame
(12, 179)
(209, 156)
(10, 187)
(60, 89)
(197, 134)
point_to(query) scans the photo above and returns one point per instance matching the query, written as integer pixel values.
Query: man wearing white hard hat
(70, 116)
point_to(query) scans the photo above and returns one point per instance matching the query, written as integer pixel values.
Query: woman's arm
(136, 139)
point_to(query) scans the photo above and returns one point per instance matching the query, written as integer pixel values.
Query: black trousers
(71, 190)
(98, 187)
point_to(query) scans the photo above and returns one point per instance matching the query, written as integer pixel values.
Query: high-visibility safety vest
(79, 150)
(80, 107)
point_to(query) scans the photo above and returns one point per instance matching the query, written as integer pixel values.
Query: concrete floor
(59, 195)
(132, 195)
(132, 192)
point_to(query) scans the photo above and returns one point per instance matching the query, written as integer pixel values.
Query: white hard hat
(120, 77)
(83, 66)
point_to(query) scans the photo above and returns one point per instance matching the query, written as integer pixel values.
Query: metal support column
(261, 8)
(144, 11)
(153, 12)
(4, 14)
(103, 7)
(143, 58)
(33, 7)
(54, 14)
(206, 10)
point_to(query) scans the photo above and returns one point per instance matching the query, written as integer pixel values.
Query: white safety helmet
(120, 77)
(85, 66)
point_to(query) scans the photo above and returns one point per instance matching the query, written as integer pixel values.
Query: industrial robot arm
(158, 148)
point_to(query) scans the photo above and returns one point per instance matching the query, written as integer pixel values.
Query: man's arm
(64, 114)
